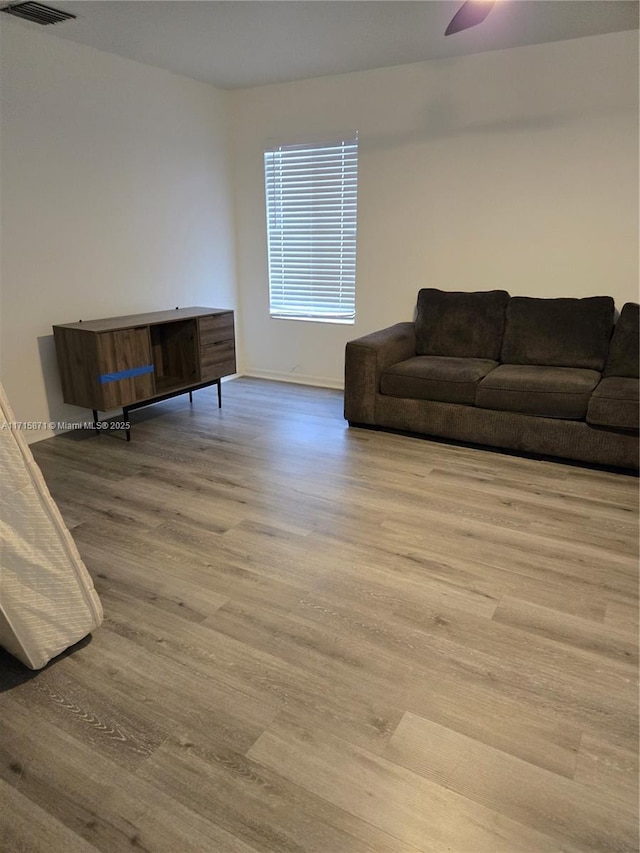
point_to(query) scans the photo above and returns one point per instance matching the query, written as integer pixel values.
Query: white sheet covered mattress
(47, 599)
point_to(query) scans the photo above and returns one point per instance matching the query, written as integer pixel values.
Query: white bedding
(47, 599)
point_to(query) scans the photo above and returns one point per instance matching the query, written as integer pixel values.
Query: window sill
(334, 320)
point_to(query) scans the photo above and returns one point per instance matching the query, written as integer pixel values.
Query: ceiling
(239, 43)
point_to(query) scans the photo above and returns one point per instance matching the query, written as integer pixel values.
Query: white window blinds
(312, 194)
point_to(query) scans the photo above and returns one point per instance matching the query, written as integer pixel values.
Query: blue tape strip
(125, 374)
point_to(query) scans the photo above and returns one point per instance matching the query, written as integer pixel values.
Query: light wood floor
(327, 639)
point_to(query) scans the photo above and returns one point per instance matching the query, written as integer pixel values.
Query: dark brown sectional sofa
(547, 376)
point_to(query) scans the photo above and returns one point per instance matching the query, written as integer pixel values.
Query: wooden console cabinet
(132, 361)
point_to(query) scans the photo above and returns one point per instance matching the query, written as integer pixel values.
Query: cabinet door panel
(78, 366)
(125, 366)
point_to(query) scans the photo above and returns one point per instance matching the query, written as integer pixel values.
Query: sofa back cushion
(624, 349)
(558, 332)
(460, 325)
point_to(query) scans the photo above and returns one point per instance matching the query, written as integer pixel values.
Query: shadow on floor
(13, 673)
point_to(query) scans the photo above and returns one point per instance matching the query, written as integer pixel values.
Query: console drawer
(215, 328)
(217, 360)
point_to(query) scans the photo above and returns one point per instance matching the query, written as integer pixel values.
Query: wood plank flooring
(330, 640)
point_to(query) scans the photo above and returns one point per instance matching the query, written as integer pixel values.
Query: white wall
(116, 199)
(516, 169)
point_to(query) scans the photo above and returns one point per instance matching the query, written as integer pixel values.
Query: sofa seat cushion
(550, 392)
(459, 324)
(559, 332)
(614, 403)
(433, 377)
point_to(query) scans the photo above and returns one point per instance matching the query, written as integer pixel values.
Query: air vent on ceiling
(37, 12)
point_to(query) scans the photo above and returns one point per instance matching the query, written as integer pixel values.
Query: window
(312, 194)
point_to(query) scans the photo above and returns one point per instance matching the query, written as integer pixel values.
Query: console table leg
(95, 421)
(219, 394)
(190, 397)
(125, 415)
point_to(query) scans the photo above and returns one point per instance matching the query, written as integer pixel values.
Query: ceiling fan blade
(469, 14)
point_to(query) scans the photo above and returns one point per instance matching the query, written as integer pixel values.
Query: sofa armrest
(365, 359)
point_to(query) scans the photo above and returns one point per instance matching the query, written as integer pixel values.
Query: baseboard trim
(295, 378)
